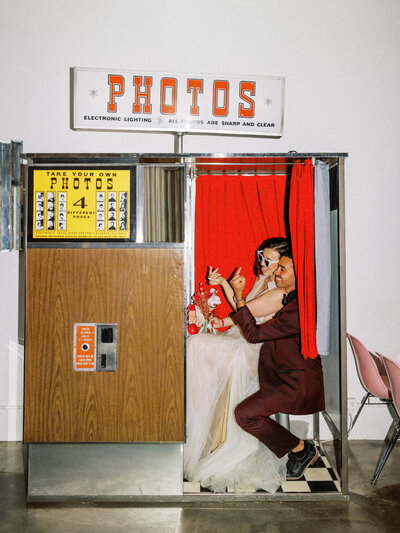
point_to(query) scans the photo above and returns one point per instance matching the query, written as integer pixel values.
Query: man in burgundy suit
(288, 382)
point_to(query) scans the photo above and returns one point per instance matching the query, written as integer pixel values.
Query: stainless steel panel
(139, 204)
(106, 348)
(112, 245)
(6, 201)
(344, 472)
(16, 150)
(335, 365)
(104, 470)
(331, 363)
(152, 157)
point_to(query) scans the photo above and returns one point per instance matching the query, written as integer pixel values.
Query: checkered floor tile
(318, 478)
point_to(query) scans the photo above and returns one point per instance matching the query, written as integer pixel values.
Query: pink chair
(393, 374)
(370, 369)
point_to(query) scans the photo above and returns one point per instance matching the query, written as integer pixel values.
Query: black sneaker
(297, 465)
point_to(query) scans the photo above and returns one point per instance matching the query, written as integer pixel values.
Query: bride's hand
(238, 283)
(214, 277)
(217, 322)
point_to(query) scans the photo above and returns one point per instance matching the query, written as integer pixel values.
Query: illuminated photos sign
(188, 103)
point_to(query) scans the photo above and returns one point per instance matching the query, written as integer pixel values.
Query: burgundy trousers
(253, 417)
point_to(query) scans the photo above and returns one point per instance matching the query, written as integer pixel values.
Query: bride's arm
(228, 291)
(215, 278)
(266, 304)
(222, 322)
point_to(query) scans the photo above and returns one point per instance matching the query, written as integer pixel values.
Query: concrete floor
(370, 510)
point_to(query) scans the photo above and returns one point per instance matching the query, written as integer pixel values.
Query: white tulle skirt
(222, 370)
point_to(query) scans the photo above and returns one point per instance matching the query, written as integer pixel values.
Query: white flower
(214, 300)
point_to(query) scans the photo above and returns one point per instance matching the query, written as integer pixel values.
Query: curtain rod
(249, 163)
(260, 164)
(245, 173)
(251, 171)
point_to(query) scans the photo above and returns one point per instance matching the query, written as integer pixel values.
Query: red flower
(192, 307)
(193, 329)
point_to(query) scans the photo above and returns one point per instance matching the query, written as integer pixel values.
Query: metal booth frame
(38, 488)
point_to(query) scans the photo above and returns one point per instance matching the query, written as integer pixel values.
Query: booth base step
(318, 478)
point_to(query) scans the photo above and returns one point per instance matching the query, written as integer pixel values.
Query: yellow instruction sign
(81, 204)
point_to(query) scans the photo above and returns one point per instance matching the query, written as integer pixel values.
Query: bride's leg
(220, 418)
(208, 371)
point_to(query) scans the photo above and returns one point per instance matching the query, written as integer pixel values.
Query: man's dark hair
(280, 244)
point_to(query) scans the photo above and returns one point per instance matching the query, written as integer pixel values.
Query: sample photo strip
(123, 205)
(51, 198)
(39, 209)
(100, 211)
(62, 211)
(112, 211)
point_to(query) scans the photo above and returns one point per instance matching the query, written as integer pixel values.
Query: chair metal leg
(283, 420)
(358, 412)
(316, 427)
(385, 456)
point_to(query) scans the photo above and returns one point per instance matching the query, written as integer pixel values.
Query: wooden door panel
(141, 290)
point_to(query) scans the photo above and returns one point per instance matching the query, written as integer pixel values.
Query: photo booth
(115, 246)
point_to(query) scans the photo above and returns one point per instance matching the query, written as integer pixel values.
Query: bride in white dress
(222, 370)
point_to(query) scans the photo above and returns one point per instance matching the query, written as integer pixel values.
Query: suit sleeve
(284, 326)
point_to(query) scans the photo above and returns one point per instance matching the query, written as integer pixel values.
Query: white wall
(11, 356)
(341, 62)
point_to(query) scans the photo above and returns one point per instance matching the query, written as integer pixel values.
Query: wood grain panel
(142, 291)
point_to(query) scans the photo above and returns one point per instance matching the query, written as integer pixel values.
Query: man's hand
(238, 284)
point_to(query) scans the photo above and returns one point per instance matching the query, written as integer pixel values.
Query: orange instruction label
(85, 347)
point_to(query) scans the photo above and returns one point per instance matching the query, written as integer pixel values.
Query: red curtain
(234, 214)
(301, 220)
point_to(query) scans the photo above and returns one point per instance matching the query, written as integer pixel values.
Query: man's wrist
(240, 301)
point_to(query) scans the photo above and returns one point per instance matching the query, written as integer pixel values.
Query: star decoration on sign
(93, 92)
(267, 101)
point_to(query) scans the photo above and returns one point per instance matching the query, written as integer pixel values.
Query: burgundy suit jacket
(288, 382)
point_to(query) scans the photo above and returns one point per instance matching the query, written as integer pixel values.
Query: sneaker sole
(309, 464)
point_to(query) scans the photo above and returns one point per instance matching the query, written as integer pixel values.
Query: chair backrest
(379, 363)
(367, 370)
(393, 373)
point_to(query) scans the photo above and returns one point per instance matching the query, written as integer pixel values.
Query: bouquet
(202, 310)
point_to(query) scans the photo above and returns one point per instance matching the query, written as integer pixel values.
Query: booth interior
(105, 311)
